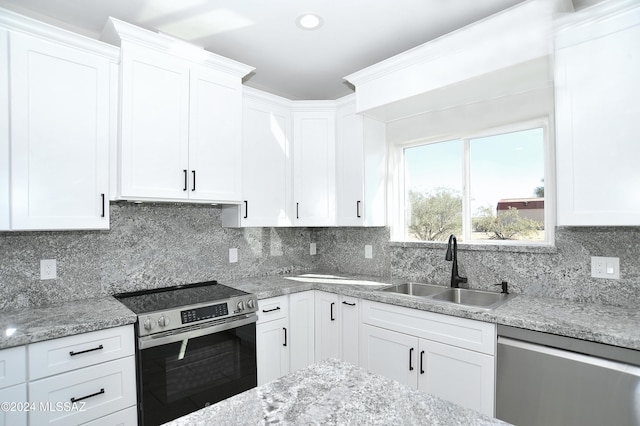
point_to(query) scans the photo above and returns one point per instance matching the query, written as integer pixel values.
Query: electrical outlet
(48, 269)
(368, 252)
(605, 267)
(233, 255)
(312, 249)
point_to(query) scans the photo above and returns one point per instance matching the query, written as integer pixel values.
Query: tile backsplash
(154, 245)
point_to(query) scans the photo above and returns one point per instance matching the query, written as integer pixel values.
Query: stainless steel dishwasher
(545, 379)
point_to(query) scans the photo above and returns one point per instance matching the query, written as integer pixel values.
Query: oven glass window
(182, 377)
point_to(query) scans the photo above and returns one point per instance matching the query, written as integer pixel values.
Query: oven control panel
(204, 313)
(157, 322)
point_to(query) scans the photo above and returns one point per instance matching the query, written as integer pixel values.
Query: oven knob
(250, 304)
(241, 306)
(149, 324)
(163, 321)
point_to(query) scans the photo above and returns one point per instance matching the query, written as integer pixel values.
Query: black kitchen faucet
(452, 254)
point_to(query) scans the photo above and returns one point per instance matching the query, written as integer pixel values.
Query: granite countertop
(333, 392)
(24, 326)
(599, 323)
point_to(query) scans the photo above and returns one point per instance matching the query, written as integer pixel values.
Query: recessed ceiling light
(309, 21)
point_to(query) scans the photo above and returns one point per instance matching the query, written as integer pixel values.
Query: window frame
(396, 199)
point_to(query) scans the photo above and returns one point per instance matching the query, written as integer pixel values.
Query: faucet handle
(505, 287)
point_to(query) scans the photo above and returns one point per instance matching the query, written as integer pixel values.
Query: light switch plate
(605, 267)
(312, 249)
(233, 255)
(48, 269)
(368, 251)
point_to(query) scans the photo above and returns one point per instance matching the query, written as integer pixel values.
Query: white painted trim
(15, 22)
(116, 32)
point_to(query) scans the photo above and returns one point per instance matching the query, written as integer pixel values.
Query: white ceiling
(290, 62)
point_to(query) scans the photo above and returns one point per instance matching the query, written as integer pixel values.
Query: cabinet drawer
(12, 366)
(100, 390)
(16, 394)
(461, 332)
(273, 308)
(126, 417)
(68, 353)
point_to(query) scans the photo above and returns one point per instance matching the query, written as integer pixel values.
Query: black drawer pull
(421, 362)
(186, 178)
(411, 359)
(332, 318)
(297, 210)
(285, 337)
(193, 188)
(246, 209)
(72, 353)
(358, 209)
(271, 310)
(87, 397)
(103, 207)
(344, 302)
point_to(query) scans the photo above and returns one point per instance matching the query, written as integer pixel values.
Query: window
(488, 187)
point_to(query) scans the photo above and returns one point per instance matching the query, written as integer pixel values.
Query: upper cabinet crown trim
(517, 35)
(116, 31)
(19, 23)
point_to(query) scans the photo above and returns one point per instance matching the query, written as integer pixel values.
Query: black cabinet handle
(193, 172)
(344, 302)
(411, 359)
(271, 310)
(246, 209)
(88, 396)
(285, 336)
(186, 178)
(358, 208)
(297, 211)
(332, 318)
(72, 353)
(103, 207)
(421, 362)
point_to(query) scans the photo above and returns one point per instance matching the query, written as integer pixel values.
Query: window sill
(492, 247)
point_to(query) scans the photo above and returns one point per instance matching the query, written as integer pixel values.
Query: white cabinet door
(597, 126)
(59, 136)
(350, 329)
(18, 395)
(360, 169)
(302, 330)
(266, 166)
(314, 168)
(457, 375)
(214, 136)
(272, 352)
(327, 313)
(390, 354)
(154, 125)
(4, 131)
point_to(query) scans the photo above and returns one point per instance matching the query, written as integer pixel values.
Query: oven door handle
(162, 339)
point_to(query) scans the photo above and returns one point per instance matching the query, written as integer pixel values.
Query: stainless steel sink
(460, 296)
(416, 289)
(478, 298)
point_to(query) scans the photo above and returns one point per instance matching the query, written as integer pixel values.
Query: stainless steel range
(196, 345)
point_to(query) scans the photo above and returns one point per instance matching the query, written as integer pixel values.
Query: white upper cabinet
(314, 167)
(180, 123)
(597, 111)
(5, 208)
(360, 168)
(59, 120)
(266, 164)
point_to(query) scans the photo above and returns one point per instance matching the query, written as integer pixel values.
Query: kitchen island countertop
(333, 392)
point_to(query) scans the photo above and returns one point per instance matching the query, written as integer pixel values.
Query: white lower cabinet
(453, 358)
(337, 327)
(284, 335)
(88, 377)
(13, 389)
